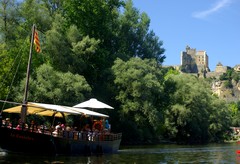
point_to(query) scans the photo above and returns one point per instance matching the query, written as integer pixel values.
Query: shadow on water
(161, 154)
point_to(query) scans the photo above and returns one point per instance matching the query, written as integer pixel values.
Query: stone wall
(221, 69)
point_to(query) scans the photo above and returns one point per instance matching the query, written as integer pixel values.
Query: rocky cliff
(227, 89)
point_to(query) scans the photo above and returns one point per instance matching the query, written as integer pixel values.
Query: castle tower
(202, 60)
(193, 61)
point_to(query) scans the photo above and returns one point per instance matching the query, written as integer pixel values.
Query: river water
(159, 154)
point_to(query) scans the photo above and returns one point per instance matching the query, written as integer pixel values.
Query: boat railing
(90, 136)
(76, 135)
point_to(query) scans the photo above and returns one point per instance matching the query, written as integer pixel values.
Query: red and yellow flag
(37, 42)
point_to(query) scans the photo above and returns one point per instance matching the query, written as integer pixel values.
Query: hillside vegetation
(227, 86)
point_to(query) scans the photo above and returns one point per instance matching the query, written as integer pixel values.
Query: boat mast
(24, 105)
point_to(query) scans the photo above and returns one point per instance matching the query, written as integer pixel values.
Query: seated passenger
(20, 125)
(87, 131)
(58, 129)
(3, 122)
(8, 124)
(107, 126)
(39, 129)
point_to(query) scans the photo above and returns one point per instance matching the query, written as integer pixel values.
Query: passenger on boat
(58, 126)
(87, 132)
(98, 126)
(68, 128)
(58, 129)
(20, 124)
(32, 125)
(3, 123)
(39, 129)
(8, 123)
(107, 126)
(87, 128)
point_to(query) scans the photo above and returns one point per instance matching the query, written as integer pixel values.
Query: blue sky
(210, 25)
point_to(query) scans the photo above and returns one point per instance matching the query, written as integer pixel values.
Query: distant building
(220, 68)
(193, 61)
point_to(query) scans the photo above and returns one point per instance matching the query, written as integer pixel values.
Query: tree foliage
(234, 109)
(140, 92)
(135, 39)
(195, 116)
(55, 87)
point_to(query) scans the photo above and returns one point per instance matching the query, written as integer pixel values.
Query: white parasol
(93, 103)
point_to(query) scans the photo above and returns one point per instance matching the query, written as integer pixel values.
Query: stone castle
(193, 61)
(196, 62)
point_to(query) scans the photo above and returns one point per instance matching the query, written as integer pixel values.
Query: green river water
(160, 154)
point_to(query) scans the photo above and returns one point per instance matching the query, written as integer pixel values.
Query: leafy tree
(97, 19)
(97, 24)
(194, 115)
(9, 19)
(140, 93)
(4, 71)
(135, 40)
(219, 119)
(35, 12)
(57, 47)
(93, 17)
(51, 86)
(16, 21)
(68, 50)
(234, 108)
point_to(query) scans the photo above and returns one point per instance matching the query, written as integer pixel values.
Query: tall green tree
(119, 35)
(68, 50)
(234, 109)
(4, 71)
(93, 17)
(11, 45)
(135, 39)
(220, 120)
(194, 116)
(97, 19)
(141, 93)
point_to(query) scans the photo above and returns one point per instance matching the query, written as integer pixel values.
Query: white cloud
(219, 5)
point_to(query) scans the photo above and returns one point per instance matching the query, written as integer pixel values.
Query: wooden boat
(27, 140)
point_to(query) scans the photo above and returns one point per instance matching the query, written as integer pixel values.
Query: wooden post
(24, 105)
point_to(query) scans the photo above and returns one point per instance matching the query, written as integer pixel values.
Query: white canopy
(88, 112)
(93, 103)
(49, 109)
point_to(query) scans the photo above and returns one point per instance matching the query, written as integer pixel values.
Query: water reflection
(217, 153)
(160, 154)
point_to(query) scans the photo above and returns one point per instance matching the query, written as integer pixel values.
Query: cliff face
(227, 90)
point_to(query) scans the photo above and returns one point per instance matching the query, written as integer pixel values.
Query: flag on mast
(37, 42)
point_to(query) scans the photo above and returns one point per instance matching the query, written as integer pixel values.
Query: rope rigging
(19, 55)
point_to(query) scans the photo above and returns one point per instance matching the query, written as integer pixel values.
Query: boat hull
(45, 144)
(28, 142)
